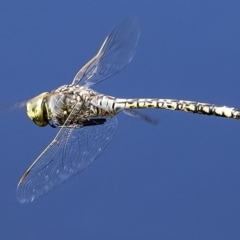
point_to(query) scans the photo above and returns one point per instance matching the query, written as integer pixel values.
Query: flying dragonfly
(87, 119)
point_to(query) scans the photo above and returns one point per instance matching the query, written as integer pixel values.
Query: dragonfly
(87, 119)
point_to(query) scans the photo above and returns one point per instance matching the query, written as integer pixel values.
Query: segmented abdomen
(181, 105)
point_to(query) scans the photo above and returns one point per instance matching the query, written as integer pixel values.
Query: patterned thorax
(69, 102)
(70, 106)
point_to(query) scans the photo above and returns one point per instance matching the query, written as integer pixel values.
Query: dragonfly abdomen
(181, 105)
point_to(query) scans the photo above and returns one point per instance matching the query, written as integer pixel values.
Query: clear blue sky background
(177, 180)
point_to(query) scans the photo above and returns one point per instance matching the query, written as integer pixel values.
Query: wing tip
(23, 177)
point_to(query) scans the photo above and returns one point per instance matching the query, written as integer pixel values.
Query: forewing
(73, 150)
(115, 53)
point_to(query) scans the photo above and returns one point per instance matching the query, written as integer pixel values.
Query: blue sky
(177, 180)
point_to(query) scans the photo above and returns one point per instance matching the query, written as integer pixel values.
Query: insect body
(87, 119)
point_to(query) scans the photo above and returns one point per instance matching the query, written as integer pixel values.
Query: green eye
(35, 110)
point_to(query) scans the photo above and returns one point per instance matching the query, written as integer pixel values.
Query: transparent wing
(71, 151)
(142, 116)
(115, 53)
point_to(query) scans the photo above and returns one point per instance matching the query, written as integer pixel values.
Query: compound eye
(35, 110)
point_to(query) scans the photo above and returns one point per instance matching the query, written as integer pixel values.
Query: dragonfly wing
(71, 151)
(116, 52)
(142, 116)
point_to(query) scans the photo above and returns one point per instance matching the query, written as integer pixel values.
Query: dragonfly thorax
(36, 110)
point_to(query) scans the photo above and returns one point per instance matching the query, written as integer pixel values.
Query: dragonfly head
(36, 110)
